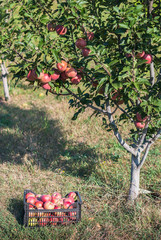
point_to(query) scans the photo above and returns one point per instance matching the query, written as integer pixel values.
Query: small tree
(112, 51)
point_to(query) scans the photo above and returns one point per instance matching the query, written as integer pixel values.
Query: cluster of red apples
(82, 43)
(63, 71)
(50, 203)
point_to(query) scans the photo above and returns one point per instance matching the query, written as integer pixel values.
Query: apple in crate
(45, 198)
(54, 221)
(43, 221)
(49, 205)
(38, 204)
(32, 222)
(56, 195)
(32, 214)
(30, 194)
(73, 195)
(31, 200)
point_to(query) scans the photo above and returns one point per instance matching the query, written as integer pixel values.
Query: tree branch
(116, 133)
(152, 74)
(145, 155)
(88, 105)
(152, 140)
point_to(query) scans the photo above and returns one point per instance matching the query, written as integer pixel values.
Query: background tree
(109, 51)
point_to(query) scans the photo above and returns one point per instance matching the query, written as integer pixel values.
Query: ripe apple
(40, 214)
(70, 72)
(45, 78)
(38, 196)
(31, 200)
(90, 36)
(58, 213)
(63, 76)
(148, 58)
(140, 119)
(43, 221)
(50, 27)
(62, 66)
(76, 79)
(81, 43)
(56, 195)
(54, 221)
(73, 195)
(71, 200)
(139, 125)
(32, 214)
(38, 204)
(55, 75)
(30, 194)
(61, 30)
(140, 54)
(46, 86)
(49, 205)
(45, 198)
(66, 204)
(86, 52)
(32, 75)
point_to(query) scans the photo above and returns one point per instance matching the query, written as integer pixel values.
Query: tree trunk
(135, 178)
(5, 84)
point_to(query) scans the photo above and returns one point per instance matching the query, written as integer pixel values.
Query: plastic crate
(42, 217)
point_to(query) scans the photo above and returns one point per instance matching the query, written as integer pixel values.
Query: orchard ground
(42, 149)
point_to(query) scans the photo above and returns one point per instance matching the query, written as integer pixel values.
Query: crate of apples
(51, 209)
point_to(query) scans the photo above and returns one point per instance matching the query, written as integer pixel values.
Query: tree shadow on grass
(28, 136)
(16, 207)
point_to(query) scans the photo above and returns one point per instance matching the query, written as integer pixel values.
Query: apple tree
(105, 54)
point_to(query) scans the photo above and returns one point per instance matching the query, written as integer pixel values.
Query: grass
(43, 150)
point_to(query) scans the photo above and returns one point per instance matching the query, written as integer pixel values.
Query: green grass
(43, 150)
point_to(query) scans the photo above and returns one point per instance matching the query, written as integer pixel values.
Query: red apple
(31, 200)
(69, 199)
(58, 213)
(32, 75)
(140, 119)
(38, 204)
(148, 58)
(81, 43)
(139, 125)
(55, 75)
(40, 213)
(90, 36)
(140, 54)
(62, 66)
(43, 221)
(76, 79)
(45, 78)
(49, 205)
(50, 27)
(45, 198)
(66, 204)
(46, 86)
(54, 221)
(63, 76)
(30, 194)
(56, 195)
(86, 52)
(73, 195)
(38, 196)
(64, 220)
(70, 72)
(61, 30)
(32, 214)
